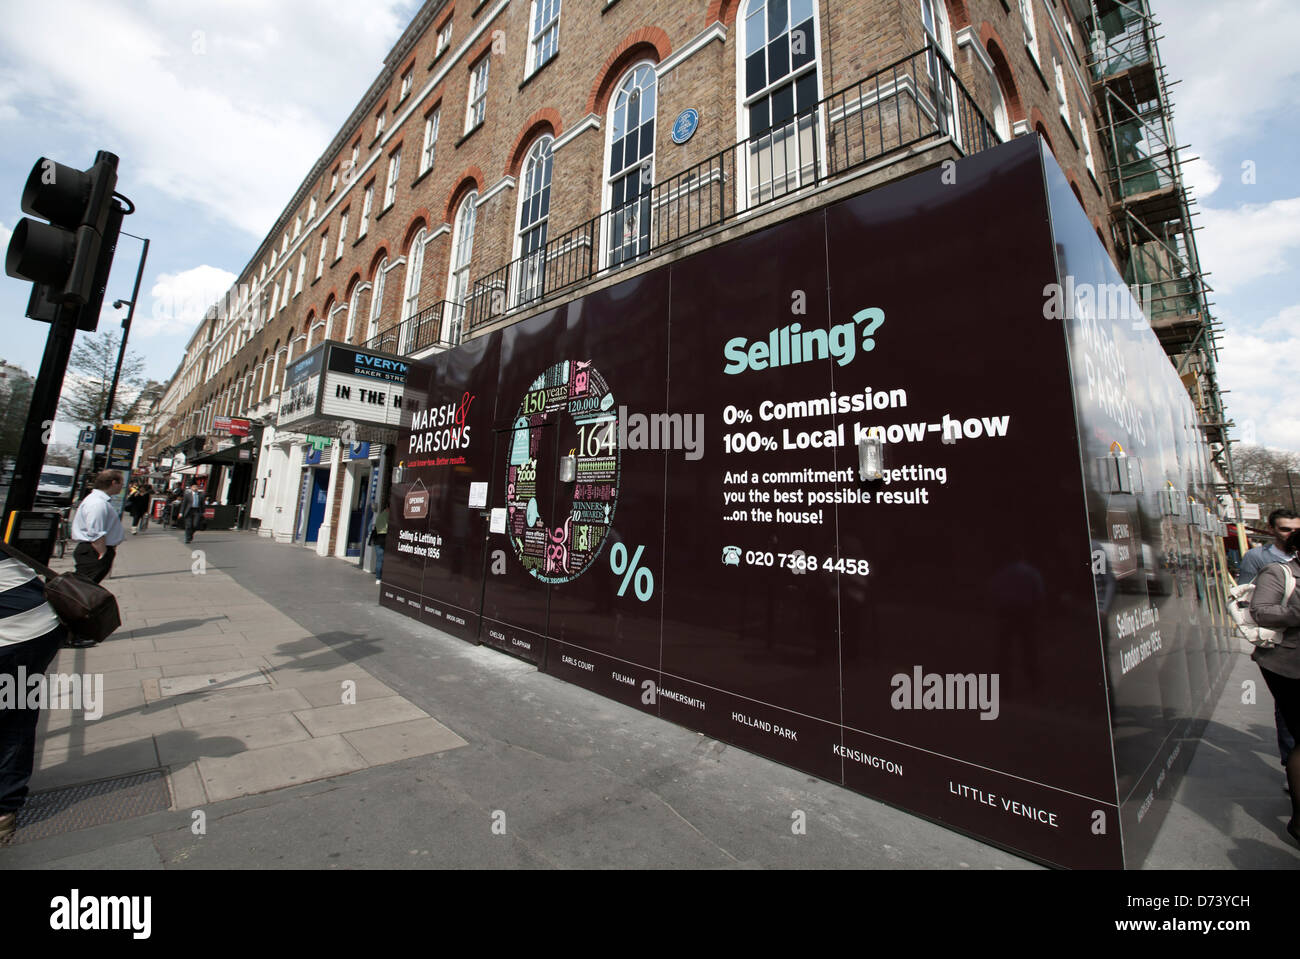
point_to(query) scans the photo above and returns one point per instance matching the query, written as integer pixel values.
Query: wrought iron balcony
(436, 325)
(913, 100)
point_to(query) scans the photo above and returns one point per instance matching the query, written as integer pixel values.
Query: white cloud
(1241, 245)
(1237, 63)
(1201, 177)
(1256, 365)
(181, 299)
(222, 106)
(5, 234)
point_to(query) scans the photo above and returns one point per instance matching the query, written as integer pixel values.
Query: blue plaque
(685, 125)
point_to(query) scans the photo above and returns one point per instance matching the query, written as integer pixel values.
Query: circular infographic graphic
(557, 543)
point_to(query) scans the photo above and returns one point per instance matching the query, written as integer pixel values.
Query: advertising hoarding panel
(951, 637)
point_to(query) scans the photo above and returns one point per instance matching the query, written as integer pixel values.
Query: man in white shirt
(96, 529)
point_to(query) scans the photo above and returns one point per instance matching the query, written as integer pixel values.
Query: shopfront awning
(239, 453)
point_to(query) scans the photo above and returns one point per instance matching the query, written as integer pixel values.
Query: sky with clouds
(218, 110)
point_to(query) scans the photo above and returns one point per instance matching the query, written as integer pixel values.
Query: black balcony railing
(905, 104)
(915, 99)
(436, 325)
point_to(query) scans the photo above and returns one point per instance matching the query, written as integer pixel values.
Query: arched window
(1001, 119)
(1006, 99)
(353, 301)
(534, 213)
(779, 88)
(376, 299)
(630, 165)
(411, 298)
(462, 250)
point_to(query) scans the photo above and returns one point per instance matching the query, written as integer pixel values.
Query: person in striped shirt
(30, 636)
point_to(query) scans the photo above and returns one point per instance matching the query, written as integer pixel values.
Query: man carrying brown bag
(97, 531)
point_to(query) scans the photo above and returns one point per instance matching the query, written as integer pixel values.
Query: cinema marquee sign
(339, 382)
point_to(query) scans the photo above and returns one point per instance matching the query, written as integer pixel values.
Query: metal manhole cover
(91, 804)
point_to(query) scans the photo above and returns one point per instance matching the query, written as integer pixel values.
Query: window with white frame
(534, 214)
(343, 235)
(629, 168)
(407, 78)
(1001, 116)
(478, 87)
(334, 180)
(1086, 138)
(430, 140)
(543, 35)
(376, 299)
(275, 299)
(1058, 70)
(366, 205)
(297, 226)
(302, 271)
(352, 313)
(379, 119)
(394, 169)
(311, 210)
(284, 247)
(943, 91)
(411, 296)
(324, 245)
(462, 251)
(288, 285)
(1031, 33)
(444, 39)
(356, 160)
(780, 89)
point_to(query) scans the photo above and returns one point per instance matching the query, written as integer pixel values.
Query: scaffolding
(1151, 212)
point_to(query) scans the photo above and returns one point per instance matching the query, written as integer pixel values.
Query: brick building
(512, 154)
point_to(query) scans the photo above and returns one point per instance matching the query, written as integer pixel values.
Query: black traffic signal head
(67, 258)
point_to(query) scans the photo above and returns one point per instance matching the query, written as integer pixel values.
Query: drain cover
(91, 804)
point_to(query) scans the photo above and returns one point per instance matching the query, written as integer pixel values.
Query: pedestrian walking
(1280, 664)
(137, 504)
(378, 537)
(97, 531)
(30, 636)
(1281, 523)
(191, 511)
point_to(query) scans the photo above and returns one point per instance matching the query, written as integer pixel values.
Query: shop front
(232, 467)
(346, 403)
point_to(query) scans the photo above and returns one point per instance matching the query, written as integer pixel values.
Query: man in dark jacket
(191, 511)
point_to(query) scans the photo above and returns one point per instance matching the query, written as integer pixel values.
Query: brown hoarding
(682, 525)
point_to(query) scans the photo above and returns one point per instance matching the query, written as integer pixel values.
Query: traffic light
(67, 259)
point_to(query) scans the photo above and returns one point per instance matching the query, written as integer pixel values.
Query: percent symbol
(632, 572)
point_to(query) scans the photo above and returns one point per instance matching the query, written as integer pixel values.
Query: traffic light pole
(40, 416)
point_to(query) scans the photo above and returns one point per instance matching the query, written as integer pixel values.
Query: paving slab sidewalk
(213, 684)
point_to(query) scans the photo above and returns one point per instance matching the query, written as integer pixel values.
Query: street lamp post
(126, 326)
